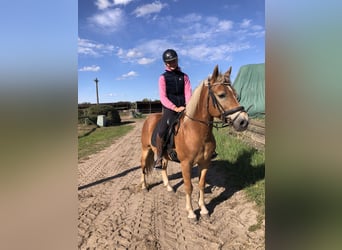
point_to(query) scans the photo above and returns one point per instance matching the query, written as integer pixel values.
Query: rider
(175, 92)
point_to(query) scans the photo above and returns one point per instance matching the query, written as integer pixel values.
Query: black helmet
(169, 55)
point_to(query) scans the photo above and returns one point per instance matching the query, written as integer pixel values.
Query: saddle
(169, 138)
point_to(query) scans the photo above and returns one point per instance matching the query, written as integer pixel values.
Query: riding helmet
(169, 55)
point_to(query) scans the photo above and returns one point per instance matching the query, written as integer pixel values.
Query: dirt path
(115, 214)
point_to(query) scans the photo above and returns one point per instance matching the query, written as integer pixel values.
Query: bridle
(225, 121)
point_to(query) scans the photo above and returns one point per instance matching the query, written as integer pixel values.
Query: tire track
(94, 219)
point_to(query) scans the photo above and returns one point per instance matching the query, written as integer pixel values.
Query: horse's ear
(215, 74)
(229, 71)
(227, 74)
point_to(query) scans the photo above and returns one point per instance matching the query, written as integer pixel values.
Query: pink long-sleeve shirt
(163, 95)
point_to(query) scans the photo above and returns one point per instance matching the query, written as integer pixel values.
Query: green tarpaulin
(250, 86)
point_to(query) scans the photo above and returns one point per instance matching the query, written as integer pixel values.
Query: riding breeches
(167, 118)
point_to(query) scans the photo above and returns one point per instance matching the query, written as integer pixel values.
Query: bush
(112, 115)
(81, 115)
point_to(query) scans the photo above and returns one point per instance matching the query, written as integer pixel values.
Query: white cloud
(102, 4)
(109, 20)
(245, 23)
(133, 53)
(190, 18)
(148, 9)
(257, 27)
(120, 52)
(197, 36)
(212, 20)
(204, 52)
(87, 47)
(92, 68)
(248, 29)
(130, 74)
(155, 48)
(145, 53)
(123, 2)
(144, 60)
(259, 33)
(211, 28)
(225, 25)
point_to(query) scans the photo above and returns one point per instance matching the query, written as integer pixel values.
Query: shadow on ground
(232, 177)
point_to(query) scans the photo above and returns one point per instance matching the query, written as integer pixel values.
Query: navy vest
(175, 87)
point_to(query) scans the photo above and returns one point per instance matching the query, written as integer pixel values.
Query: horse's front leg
(186, 172)
(201, 185)
(165, 177)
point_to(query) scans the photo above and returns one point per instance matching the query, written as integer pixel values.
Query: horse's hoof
(205, 217)
(193, 220)
(192, 216)
(170, 189)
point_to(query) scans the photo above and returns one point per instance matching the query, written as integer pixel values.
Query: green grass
(245, 168)
(100, 139)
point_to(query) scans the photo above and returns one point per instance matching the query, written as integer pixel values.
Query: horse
(214, 98)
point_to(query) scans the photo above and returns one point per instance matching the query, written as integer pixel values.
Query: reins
(224, 113)
(215, 124)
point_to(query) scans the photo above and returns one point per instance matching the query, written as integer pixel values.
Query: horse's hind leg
(165, 177)
(147, 160)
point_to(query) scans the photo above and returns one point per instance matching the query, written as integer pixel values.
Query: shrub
(81, 115)
(112, 115)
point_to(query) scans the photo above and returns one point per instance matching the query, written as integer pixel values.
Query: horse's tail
(147, 161)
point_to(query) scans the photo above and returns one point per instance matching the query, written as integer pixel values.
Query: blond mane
(194, 100)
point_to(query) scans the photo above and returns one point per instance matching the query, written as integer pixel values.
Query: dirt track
(115, 214)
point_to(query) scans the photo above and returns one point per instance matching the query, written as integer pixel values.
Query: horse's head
(223, 101)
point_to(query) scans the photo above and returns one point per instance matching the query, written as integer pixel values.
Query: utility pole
(97, 90)
(150, 106)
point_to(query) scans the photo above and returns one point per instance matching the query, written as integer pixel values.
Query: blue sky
(121, 42)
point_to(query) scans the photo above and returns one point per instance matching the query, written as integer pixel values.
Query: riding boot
(160, 144)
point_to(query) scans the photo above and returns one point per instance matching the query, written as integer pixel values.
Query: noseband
(224, 113)
(225, 121)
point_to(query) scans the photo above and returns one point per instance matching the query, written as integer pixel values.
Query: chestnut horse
(194, 141)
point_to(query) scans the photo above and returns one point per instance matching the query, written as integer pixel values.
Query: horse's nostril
(244, 123)
(240, 124)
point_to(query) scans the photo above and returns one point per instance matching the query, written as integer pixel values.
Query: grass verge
(245, 166)
(100, 138)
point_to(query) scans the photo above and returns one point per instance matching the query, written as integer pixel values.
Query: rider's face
(172, 64)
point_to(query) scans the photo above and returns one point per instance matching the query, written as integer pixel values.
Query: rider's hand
(179, 109)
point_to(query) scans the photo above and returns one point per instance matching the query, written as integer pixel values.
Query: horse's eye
(221, 96)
